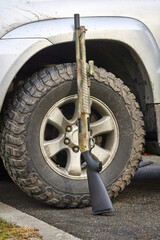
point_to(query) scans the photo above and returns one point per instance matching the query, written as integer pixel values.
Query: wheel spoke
(52, 147)
(104, 125)
(74, 118)
(57, 119)
(73, 166)
(100, 154)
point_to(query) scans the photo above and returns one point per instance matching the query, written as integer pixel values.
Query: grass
(8, 230)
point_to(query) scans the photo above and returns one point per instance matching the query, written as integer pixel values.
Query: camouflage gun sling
(100, 200)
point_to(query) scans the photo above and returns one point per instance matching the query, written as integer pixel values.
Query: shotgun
(100, 200)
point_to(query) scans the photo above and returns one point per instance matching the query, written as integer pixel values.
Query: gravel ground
(137, 214)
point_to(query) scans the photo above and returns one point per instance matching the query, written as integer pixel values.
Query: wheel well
(114, 57)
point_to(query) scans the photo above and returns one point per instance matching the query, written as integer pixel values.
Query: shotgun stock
(100, 200)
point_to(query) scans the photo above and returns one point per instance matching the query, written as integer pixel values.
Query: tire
(27, 130)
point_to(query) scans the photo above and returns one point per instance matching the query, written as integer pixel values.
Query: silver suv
(39, 139)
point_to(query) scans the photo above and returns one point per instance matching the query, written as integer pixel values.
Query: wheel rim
(59, 137)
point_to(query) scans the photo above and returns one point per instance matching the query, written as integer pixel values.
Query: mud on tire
(20, 146)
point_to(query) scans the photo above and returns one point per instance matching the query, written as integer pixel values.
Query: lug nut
(66, 141)
(75, 149)
(68, 129)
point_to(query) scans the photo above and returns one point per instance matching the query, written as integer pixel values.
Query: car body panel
(17, 12)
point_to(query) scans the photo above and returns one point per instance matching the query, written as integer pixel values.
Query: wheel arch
(114, 56)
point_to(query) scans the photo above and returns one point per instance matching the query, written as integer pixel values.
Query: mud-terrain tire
(23, 152)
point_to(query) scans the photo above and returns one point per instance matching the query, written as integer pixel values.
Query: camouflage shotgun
(100, 200)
